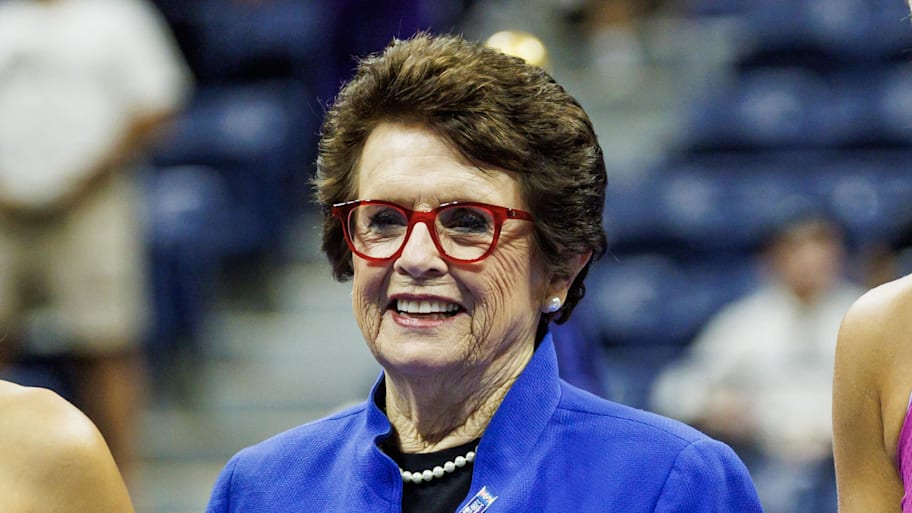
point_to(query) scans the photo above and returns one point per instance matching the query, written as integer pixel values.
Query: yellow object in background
(520, 44)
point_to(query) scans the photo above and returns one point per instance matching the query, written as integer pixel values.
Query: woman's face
(496, 300)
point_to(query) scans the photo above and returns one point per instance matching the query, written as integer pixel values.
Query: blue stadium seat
(696, 208)
(852, 111)
(870, 108)
(712, 8)
(238, 123)
(761, 109)
(187, 206)
(707, 203)
(868, 192)
(189, 223)
(825, 32)
(724, 202)
(242, 40)
(891, 103)
(627, 300)
(862, 30)
(261, 139)
(630, 216)
(766, 188)
(728, 203)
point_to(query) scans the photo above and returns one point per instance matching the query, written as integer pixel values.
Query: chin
(419, 359)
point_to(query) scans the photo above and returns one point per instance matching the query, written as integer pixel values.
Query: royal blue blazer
(549, 448)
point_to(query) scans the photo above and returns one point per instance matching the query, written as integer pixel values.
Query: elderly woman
(463, 192)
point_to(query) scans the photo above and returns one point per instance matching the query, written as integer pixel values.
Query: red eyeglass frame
(342, 211)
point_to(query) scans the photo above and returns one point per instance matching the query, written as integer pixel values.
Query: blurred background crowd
(758, 160)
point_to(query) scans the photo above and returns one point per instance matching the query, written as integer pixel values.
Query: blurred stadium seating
(816, 106)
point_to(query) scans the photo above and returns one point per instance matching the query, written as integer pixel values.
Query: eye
(385, 218)
(468, 220)
(377, 220)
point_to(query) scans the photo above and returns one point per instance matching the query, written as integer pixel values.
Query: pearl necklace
(439, 471)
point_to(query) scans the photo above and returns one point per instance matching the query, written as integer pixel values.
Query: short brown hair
(494, 109)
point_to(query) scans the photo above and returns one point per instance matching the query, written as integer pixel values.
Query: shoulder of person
(609, 416)
(709, 477)
(890, 293)
(704, 474)
(873, 348)
(39, 415)
(879, 316)
(45, 439)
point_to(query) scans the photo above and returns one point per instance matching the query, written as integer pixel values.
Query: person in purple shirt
(463, 192)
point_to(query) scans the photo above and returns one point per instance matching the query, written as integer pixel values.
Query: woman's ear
(560, 284)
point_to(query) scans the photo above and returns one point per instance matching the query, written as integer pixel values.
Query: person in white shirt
(82, 85)
(759, 375)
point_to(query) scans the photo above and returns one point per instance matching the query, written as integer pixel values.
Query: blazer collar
(506, 443)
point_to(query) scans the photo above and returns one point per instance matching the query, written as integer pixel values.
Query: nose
(420, 256)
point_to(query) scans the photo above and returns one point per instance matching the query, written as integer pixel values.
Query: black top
(439, 495)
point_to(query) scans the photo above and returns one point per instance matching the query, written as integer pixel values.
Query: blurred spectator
(759, 375)
(82, 84)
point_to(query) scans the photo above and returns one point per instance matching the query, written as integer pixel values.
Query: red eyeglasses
(463, 232)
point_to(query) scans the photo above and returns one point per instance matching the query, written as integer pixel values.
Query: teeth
(425, 307)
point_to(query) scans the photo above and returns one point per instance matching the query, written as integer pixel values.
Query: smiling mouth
(427, 309)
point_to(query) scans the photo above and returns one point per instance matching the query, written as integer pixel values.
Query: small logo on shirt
(480, 502)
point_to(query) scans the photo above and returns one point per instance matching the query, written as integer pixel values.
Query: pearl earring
(553, 305)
